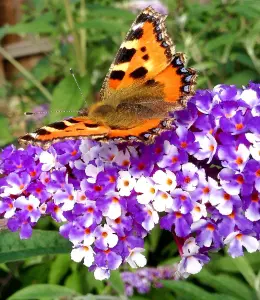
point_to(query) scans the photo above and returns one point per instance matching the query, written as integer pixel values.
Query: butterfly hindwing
(71, 128)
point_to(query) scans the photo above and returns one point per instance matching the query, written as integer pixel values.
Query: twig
(26, 73)
(76, 42)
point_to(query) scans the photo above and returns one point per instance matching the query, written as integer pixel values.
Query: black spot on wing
(145, 57)
(139, 73)
(117, 75)
(72, 121)
(143, 49)
(150, 82)
(135, 34)
(124, 55)
(91, 125)
(142, 18)
(26, 138)
(42, 131)
(58, 125)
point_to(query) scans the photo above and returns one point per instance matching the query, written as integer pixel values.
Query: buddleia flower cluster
(200, 180)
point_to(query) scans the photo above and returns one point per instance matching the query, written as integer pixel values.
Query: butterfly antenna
(29, 113)
(75, 79)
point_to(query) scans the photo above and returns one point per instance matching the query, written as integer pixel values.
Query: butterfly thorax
(123, 116)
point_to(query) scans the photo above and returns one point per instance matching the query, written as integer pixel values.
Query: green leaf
(37, 26)
(5, 135)
(241, 78)
(187, 289)
(106, 11)
(66, 96)
(223, 40)
(109, 26)
(73, 281)
(246, 270)
(154, 238)
(92, 283)
(42, 242)
(40, 291)
(117, 282)
(59, 268)
(224, 283)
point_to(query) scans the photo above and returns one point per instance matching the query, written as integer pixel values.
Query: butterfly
(146, 81)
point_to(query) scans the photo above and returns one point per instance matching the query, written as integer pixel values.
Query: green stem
(83, 33)
(26, 73)
(76, 42)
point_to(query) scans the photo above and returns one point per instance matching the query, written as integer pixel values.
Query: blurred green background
(40, 41)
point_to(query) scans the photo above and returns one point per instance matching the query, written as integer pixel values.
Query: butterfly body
(145, 82)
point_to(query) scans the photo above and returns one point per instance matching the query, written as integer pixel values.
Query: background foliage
(221, 40)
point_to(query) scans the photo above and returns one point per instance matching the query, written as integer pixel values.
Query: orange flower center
(169, 181)
(239, 126)
(126, 163)
(115, 200)
(178, 215)
(141, 166)
(152, 190)
(70, 197)
(98, 188)
(184, 145)
(126, 183)
(87, 231)
(239, 236)
(112, 179)
(74, 152)
(104, 234)
(187, 179)
(33, 173)
(211, 148)
(232, 215)
(226, 197)
(257, 173)
(29, 207)
(240, 179)
(239, 160)
(175, 159)
(90, 210)
(210, 227)
(206, 190)
(118, 220)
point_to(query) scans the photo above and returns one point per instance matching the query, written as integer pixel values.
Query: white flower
(237, 240)
(113, 209)
(136, 259)
(92, 172)
(146, 190)
(106, 237)
(125, 183)
(189, 264)
(108, 152)
(122, 158)
(48, 159)
(151, 218)
(208, 146)
(83, 252)
(101, 273)
(162, 202)
(199, 211)
(166, 181)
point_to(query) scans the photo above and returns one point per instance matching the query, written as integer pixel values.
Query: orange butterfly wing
(71, 128)
(146, 80)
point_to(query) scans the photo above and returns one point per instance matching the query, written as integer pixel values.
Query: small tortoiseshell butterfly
(145, 82)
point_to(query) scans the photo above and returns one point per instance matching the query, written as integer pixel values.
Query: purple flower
(200, 181)
(135, 5)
